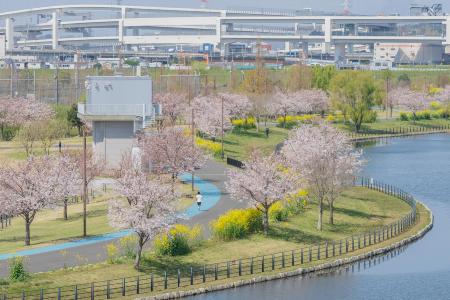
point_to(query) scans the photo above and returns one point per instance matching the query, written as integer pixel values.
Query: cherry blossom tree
(17, 111)
(283, 103)
(235, 105)
(326, 161)
(262, 182)
(208, 117)
(171, 151)
(68, 179)
(27, 188)
(148, 209)
(414, 101)
(311, 101)
(174, 105)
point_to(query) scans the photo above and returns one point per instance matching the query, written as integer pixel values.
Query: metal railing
(402, 130)
(191, 276)
(115, 109)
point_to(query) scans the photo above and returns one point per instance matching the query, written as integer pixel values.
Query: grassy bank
(357, 211)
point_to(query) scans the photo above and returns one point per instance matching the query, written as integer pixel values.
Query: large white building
(415, 53)
(113, 28)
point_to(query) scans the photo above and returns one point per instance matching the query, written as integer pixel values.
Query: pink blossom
(171, 151)
(325, 159)
(29, 187)
(173, 105)
(148, 209)
(262, 182)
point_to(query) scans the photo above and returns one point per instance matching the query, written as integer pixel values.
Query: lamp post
(85, 194)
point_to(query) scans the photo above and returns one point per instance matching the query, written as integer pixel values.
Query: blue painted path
(210, 193)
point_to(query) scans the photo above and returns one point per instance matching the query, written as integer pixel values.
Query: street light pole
(85, 194)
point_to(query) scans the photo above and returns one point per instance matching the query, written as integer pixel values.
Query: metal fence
(196, 275)
(403, 130)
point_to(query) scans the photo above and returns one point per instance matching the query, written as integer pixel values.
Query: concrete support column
(327, 29)
(120, 32)
(9, 33)
(350, 48)
(55, 30)
(305, 49)
(288, 46)
(447, 32)
(339, 52)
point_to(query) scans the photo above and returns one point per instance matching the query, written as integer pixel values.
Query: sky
(370, 7)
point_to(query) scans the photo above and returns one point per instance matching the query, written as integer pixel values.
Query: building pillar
(327, 30)
(55, 30)
(288, 46)
(305, 49)
(339, 52)
(447, 32)
(9, 33)
(350, 48)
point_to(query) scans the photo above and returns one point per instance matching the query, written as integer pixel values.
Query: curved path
(211, 182)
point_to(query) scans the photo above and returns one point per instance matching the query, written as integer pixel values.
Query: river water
(421, 166)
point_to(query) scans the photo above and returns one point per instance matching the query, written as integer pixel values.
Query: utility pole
(193, 129)
(34, 84)
(77, 57)
(85, 194)
(57, 83)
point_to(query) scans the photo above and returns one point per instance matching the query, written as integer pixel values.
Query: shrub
(435, 105)
(179, 240)
(370, 117)
(128, 246)
(112, 252)
(244, 124)
(295, 203)
(424, 115)
(236, 223)
(212, 147)
(291, 122)
(17, 271)
(331, 119)
(277, 212)
(404, 116)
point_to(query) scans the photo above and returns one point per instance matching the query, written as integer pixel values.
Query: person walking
(199, 198)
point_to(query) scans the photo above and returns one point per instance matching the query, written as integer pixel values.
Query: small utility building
(119, 107)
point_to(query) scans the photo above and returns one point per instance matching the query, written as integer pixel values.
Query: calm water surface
(420, 165)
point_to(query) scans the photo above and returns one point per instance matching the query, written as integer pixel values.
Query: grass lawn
(13, 151)
(49, 226)
(239, 144)
(357, 211)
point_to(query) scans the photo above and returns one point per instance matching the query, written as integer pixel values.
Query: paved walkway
(211, 182)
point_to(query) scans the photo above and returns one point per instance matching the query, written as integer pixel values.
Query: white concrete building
(119, 107)
(414, 53)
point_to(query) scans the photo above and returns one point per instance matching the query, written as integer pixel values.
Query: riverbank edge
(322, 268)
(394, 135)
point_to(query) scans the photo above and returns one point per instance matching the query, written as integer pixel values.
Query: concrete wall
(112, 139)
(117, 90)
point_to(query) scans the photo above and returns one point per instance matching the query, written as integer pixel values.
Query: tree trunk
(65, 209)
(27, 232)
(266, 221)
(137, 261)
(331, 220)
(319, 222)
